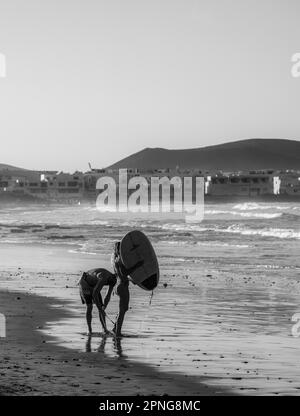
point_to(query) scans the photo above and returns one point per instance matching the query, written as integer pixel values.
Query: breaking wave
(250, 206)
(267, 215)
(283, 233)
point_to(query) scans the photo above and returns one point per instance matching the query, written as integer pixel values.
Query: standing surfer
(122, 287)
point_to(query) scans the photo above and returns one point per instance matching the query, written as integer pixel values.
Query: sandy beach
(220, 321)
(33, 364)
(47, 352)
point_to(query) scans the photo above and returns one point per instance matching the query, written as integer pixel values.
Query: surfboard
(135, 247)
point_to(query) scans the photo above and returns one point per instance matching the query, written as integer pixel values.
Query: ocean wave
(277, 267)
(250, 206)
(203, 243)
(18, 241)
(65, 237)
(99, 222)
(281, 233)
(181, 227)
(91, 253)
(217, 211)
(37, 242)
(216, 244)
(174, 242)
(57, 226)
(266, 215)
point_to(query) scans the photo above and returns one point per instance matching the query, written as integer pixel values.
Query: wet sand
(205, 332)
(32, 364)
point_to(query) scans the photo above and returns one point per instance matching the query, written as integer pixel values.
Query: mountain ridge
(249, 154)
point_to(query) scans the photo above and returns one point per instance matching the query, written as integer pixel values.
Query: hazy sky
(94, 80)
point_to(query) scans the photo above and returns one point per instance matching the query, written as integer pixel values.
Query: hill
(8, 167)
(248, 154)
(13, 170)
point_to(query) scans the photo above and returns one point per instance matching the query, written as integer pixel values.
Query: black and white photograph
(149, 201)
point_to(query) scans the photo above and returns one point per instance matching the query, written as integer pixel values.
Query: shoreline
(12, 200)
(32, 363)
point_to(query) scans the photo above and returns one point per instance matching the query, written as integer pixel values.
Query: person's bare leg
(123, 293)
(89, 309)
(119, 323)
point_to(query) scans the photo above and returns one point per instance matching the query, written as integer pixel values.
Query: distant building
(45, 185)
(243, 184)
(290, 183)
(53, 185)
(10, 182)
(66, 185)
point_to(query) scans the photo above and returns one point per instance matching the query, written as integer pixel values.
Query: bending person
(90, 286)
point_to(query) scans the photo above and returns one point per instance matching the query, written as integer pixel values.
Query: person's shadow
(102, 345)
(117, 342)
(101, 348)
(117, 345)
(88, 344)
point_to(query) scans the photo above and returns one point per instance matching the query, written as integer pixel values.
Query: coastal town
(61, 186)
